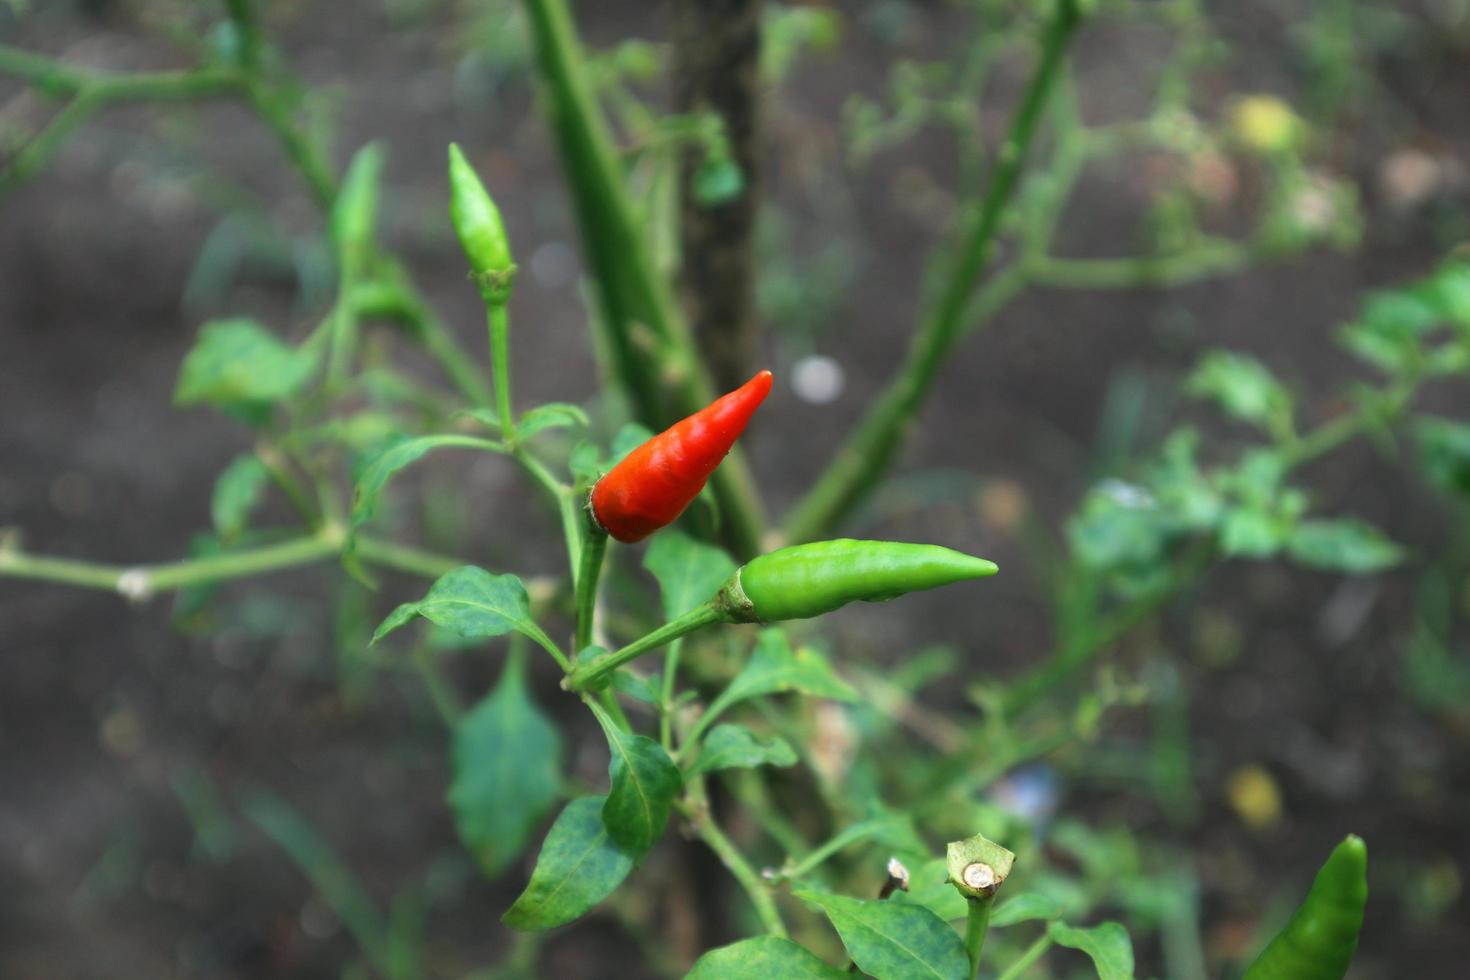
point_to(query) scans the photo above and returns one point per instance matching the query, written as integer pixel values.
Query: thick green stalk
(653, 354)
(977, 924)
(865, 456)
(587, 675)
(499, 323)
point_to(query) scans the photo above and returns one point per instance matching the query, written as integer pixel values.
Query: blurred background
(1279, 707)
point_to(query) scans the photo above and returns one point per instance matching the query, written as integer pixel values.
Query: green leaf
(578, 867)
(487, 417)
(507, 771)
(929, 886)
(584, 464)
(379, 470)
(763, 958)
(1024, 907)
(644, 783)
(330, 875)
(718, 181)
(890, 940)
(735, 746)
(354, 215)
(1346, 545)
(689, 572)
(473, 603)
(1444, 446)
(629, 438)
(553, 415)
(241, 367)
(1107, 944)
(1250, 533)
(645, 689)
(239, 490)
(774, 668)
(1243, 386)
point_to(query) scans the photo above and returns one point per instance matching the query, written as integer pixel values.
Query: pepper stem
(587, 675)
(499, 322)
(589, 570)
(977, 924)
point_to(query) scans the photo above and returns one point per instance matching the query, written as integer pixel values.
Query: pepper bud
(481, 232)
(653, 484)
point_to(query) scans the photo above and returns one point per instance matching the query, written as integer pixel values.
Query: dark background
(109, 717)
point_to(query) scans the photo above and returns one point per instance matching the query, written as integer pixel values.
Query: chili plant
(710, 721)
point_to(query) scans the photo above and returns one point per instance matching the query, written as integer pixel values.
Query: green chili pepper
(477, 222)
(808, 580)
(1319, 941)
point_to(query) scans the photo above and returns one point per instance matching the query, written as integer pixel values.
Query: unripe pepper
(1319, 941)
(477, 222)
(653, 484)
(807, 580)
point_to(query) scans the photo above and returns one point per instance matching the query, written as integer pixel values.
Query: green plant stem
(587, 675)
(499, 323)
(565, 500)
(1210, 258)
(866, 454)
(1028, 957)
(749, 879)
(844, 838)
(594, 547)
(977, 924)
(142, 581)
(666, 694)
(653, 354)
(91, 92)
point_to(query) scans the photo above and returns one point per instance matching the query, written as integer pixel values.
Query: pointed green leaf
(238, 491)
(735, 746)
(1243, 386)
(240, 366)
(1108, 945)
(763, 958)
(578, 867)
(644, 782)
(1444, 446)
(1024, 907)
(894, 941)
(628, 438)
(507, 771)
(688, 571)
(553, 415)
(929, 886)
(1345, 545)
(354, 216)
(381, 468)
(473, 603)
(775, 668)
(339, 887)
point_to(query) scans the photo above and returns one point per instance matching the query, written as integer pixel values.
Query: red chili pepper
(653, 484)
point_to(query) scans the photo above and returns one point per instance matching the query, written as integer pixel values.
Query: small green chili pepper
(1319, 941)
(808, 580)
(477, 222)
